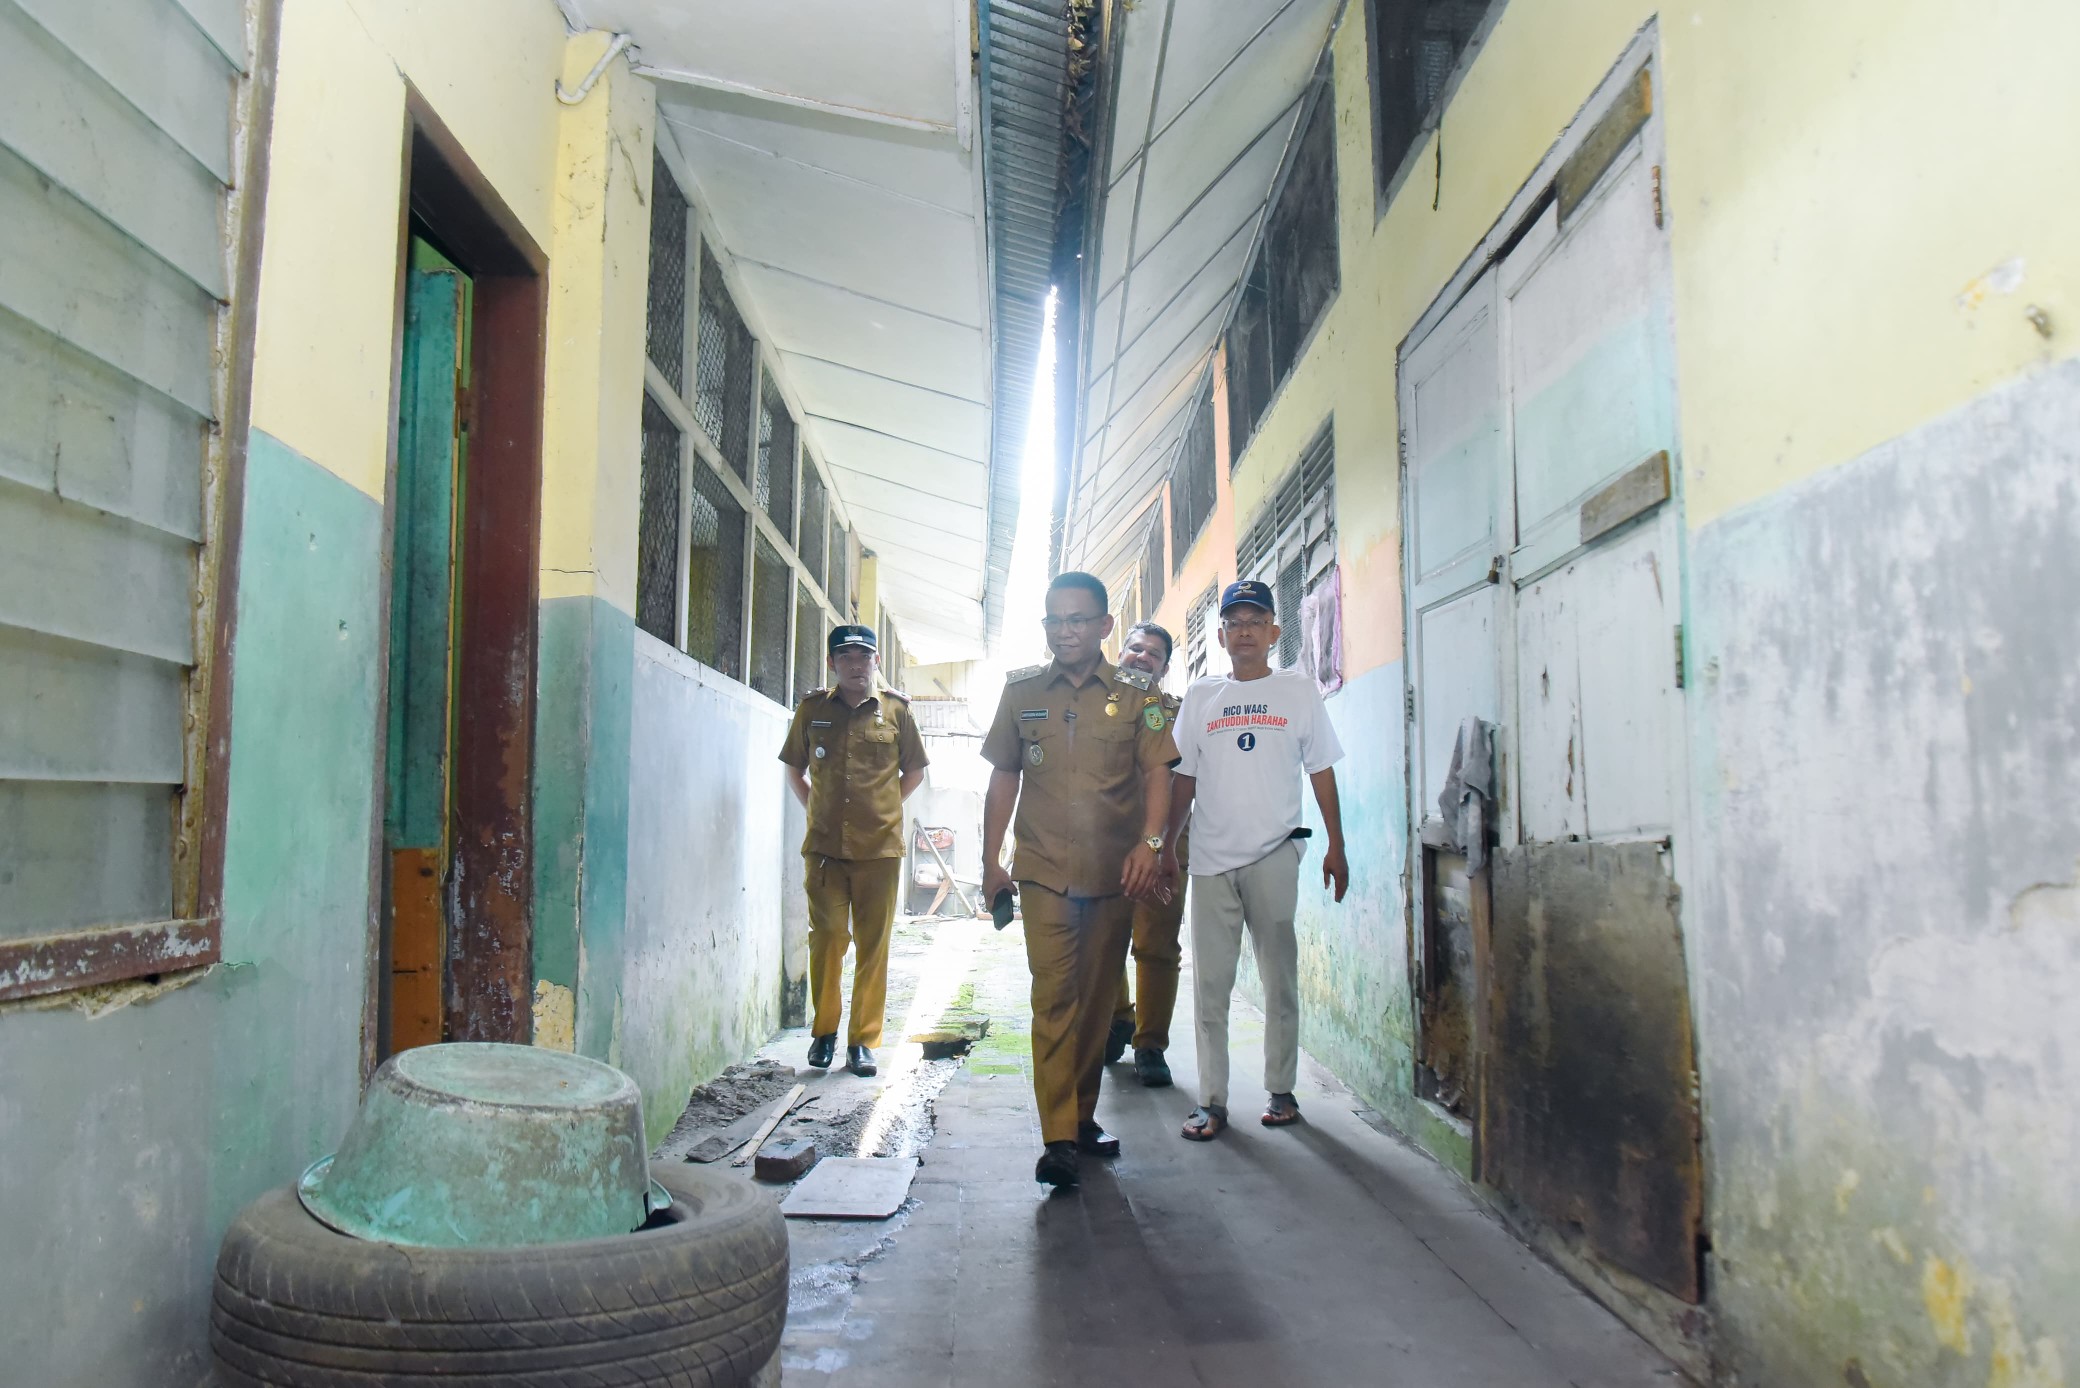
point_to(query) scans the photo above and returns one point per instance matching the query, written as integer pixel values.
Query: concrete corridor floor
(1328, 1253)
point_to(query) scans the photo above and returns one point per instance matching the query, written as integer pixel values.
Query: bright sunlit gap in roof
(1020, 642)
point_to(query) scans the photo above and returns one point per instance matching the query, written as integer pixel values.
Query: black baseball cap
(844, 636)
(1247, 591)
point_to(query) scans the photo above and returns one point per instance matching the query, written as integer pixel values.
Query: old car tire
(696, 1297)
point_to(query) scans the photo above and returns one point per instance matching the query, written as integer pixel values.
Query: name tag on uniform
(1027, 715)
(819, 722)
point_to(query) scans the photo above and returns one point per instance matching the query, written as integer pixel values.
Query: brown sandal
(1205, 1124)
(1283, 1111)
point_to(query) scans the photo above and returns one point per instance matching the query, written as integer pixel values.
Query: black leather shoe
(1058, 1166)
(1093, 1140)
(822, 1050)
(859, 1060)
(1151, 1069)
(1116, 1040)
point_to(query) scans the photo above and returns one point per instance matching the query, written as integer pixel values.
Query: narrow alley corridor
(1329, 1254)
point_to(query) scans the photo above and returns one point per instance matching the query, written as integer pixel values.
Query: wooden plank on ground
(852, 1188)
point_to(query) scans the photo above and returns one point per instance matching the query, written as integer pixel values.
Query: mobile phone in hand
(1000, 909)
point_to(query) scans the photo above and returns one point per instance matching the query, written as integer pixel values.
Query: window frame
(1278, 534)
(1388, 180)
(707, 254)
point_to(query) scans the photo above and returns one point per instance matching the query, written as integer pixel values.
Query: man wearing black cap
(1244, 741)
(853, 757)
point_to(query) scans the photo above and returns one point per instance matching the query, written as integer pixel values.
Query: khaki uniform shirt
(856, 759)
(1082, 753)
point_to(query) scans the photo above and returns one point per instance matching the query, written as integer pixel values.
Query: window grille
(1191, 481)
(1151, 576)
(715, 574)
(1291, 279)
(722, 370)
(840, 587)
(1198, 632)
(1291, 544)
(814, 523)
(667, 322)
(810, 666)
(772, 595)
(657, 527)
(774, 489)
(1416, 46)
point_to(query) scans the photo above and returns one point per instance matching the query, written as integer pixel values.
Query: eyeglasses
(1244, 623)
(1078, 623)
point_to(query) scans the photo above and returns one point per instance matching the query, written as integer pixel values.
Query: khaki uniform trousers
(850, 899)
(1158, 950)
(1076, 947)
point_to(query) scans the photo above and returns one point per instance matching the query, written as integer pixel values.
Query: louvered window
(1292, 277)
(1291, 544)
(1198, 632)
(657, 526)
(840, 586)
(1151, 576)
(723, 370)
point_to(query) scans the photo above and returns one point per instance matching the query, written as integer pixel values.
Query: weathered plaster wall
(132, 1137)
(1890, 936)
(708, 864)
(1876, 923)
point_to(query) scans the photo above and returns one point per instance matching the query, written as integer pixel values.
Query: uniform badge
(1035, 754)
(1112, 705)
(1153, 717)
(821, 753)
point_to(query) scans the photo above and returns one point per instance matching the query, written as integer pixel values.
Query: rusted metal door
(1546, 586)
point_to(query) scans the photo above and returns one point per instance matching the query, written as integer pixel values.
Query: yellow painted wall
(599, 265)
(1835, 194)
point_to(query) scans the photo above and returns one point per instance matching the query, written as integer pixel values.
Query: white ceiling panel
(1137, 38)
(889, 60)
(812, 320)
(919, 469)
(1112, 238)
(1212, 231)
(909, 163)
(1186, 329)
(1205, 37)
(875, 402)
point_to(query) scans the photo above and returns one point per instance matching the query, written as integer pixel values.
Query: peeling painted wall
(708, 867)
(1888, 741)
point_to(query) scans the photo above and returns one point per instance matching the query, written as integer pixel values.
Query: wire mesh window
(774, 489)
(809, 632)
(715, 574)
(1416, 46)
(1291, 544)
(1198, 632)
(840, 586)
(772, 598)
(815, 522)
(1191, 481)
(723, 369)
(1292, 277)
(657, 527)
(667, 322)
(1151, 575)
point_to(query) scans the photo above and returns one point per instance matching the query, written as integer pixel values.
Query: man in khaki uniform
(1075, 745)
(853, 757)
(1143, 1016)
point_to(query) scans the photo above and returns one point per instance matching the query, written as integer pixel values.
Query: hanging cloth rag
(1468, 798)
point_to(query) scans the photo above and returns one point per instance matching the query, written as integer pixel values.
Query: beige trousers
(1260, 897)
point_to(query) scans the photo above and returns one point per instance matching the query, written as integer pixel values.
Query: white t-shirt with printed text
(1249, 744)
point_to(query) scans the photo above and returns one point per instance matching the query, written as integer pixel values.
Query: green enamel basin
(472, 1144)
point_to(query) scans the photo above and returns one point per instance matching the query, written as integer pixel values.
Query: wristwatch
(1154, 842)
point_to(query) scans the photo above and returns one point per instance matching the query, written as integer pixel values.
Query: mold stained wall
(1876, 299)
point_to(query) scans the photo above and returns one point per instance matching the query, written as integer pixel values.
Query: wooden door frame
(489, 959)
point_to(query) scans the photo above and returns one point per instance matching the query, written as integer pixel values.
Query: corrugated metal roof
(1025, 89)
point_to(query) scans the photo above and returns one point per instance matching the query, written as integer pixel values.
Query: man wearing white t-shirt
(1245, 739)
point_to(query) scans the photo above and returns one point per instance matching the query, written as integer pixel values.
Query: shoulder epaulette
(1137, 678)
(897, 694)
(815, 694)
(1028, 672)
(1172, 702)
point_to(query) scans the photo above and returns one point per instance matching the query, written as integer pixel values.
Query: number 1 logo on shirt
(1247, 741)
